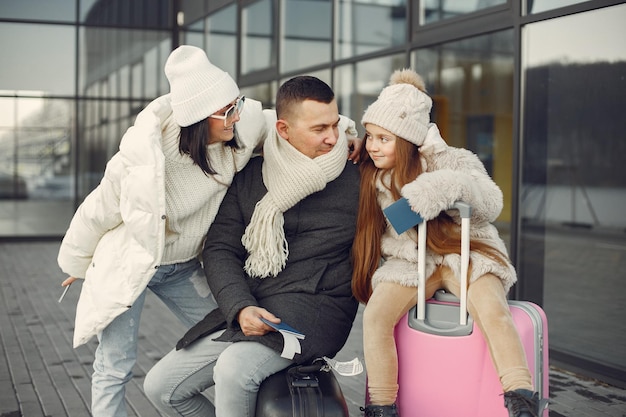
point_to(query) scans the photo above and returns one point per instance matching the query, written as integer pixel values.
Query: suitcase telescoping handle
(465, 212)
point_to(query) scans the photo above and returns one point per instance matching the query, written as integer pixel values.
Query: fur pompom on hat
(403, 107)
(197, 87)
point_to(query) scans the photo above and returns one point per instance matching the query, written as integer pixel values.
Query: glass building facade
(536, 88)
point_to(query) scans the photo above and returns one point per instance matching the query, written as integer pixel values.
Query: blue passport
(283, 327)
(401, 217)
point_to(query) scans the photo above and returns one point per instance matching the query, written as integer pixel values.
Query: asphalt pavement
(41, 375)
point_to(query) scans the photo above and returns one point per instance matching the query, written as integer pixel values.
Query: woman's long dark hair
(193, 141)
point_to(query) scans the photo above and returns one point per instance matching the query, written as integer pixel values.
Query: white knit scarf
(289, 177)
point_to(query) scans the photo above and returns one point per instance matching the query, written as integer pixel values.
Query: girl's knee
(487, 299)
(374, 317)
(487, 288)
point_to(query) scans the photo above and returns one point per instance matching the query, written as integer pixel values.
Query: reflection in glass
(538, 6)
(193, 34)
(265, 93)
(357, 85)
(152, 73)
(471, 83)
(136, 79)
(221, 39)
(164, 48)
(50, 58)
(121, 71)
(35, 143)
(126, 13)
(323, 75)
(52, 10)
(436, 10)
(306, 33)
(364, 26)
(257, 37)
(574, 183)
(105, 52)
(36, 182)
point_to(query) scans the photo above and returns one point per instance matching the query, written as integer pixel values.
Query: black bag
(302, 391)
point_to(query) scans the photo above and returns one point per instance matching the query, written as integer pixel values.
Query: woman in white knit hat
(405, 156)
(144, 225)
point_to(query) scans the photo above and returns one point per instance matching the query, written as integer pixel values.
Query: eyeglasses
(230, 112)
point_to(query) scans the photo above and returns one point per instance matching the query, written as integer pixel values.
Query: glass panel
(36, 182)
(136, 79)
(124, 85)
(122, 64)
(129, 55)
(306, 33)
(574, 183)
(194, 35)
(164, 48)
(93, 154)
(153, 71)
(471, 84)
(134, 13)
(221, 39)
(436, 10)
(538, 6)
(265, 93)
(193, 10)
(324, 75)
(358, 85)
(364, 26)
(257, 37)
(51, 10)
(49, 65)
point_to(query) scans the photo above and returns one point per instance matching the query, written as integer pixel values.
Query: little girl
(405, 156)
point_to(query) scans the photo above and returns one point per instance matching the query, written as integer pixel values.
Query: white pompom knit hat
(197, 87)
(403, 107)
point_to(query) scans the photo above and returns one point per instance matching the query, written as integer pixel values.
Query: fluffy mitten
(433, 192)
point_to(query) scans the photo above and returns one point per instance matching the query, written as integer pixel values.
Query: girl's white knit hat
(197, 87)
(403, 107)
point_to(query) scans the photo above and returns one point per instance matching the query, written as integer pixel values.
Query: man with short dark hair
(278, 250)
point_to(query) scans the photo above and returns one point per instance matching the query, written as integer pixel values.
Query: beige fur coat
(450, 174)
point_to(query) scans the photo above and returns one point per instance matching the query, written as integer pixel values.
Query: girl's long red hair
(444, 235)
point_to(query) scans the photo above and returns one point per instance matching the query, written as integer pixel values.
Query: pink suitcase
(445, 368)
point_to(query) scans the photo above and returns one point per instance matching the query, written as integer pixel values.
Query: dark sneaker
(380, 411)
(523, 403)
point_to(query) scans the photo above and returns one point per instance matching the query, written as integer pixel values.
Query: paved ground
(42, 376)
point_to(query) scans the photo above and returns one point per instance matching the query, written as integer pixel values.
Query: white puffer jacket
(449, 175)
(117, 236)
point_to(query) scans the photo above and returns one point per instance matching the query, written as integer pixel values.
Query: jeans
(175, 384)
(183, 288)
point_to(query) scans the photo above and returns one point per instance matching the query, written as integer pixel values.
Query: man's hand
(250, 322)
(354, 148)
